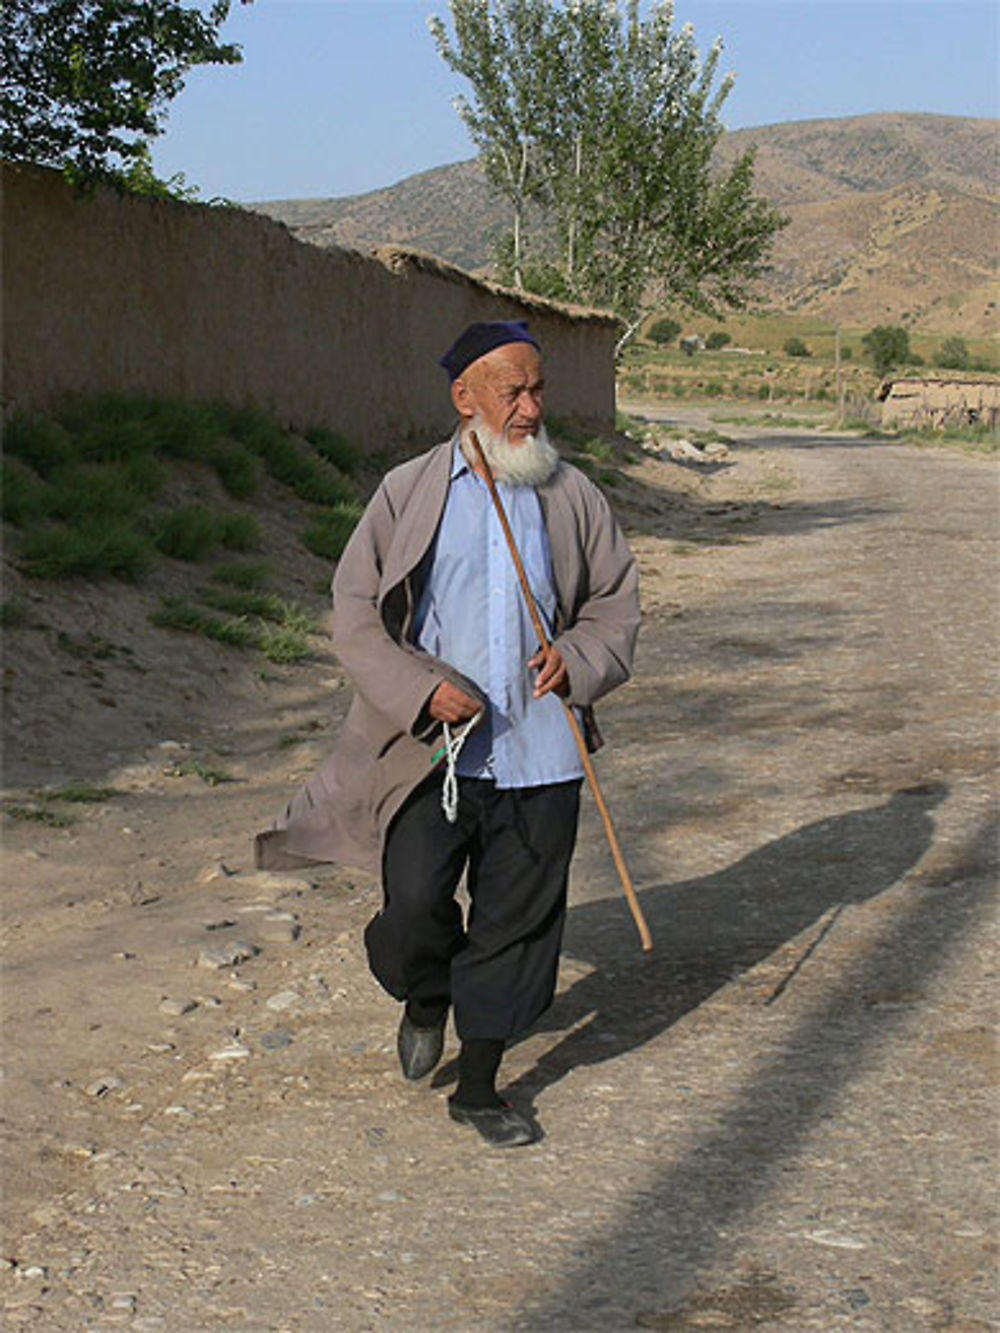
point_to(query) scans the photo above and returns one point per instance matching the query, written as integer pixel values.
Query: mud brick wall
(133, 295)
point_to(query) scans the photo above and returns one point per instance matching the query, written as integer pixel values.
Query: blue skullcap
(478, 339)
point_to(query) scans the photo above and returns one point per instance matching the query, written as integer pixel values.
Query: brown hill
(892, 217)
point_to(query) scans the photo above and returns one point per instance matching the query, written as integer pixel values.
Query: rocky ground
(784, 1118)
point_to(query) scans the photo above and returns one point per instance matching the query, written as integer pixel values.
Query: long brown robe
(385, 746)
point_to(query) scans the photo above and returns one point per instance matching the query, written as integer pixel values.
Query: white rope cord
(452, 748)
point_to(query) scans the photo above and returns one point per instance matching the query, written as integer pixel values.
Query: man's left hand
(552, 678)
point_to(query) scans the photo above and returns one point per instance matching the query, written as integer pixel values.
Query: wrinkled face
(505, 388)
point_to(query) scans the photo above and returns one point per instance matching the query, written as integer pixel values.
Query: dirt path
(784, 1119)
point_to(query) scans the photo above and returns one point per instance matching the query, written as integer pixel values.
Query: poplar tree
(613, 120)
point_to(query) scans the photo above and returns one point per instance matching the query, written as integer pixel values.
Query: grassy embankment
(93, 492)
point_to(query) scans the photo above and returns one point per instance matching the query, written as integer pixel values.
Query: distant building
(958, 400)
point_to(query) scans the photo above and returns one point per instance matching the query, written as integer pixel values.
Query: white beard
(530, 463)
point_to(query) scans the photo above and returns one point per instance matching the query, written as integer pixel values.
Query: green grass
(194, 768)
(189, 533)
(25, 497)
(239, 532)
(330, 530)
(280, 630)
(237, 470)
(283, 644)
(99, 549)
(39, 815)
(193, 532)
(335, 449)
(81, 485)
(242, 602)
(178, 613)
(38, 441)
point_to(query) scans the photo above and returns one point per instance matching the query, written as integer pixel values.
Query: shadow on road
(676, 1228)
(707, 931)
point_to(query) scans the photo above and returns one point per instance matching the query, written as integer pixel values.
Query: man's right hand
(450, 704)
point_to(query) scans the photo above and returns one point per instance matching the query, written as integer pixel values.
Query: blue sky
(338, 97)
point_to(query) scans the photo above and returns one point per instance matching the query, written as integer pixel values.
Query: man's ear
(462, 398)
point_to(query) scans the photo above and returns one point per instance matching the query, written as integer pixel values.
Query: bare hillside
(890, 215)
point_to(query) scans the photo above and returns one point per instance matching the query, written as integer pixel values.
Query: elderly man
(432, 627)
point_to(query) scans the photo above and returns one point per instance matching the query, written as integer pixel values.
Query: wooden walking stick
(581, 744)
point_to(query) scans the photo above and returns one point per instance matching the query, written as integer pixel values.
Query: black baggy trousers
(497, 967)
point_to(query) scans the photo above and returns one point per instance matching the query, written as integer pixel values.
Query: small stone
(178, 1110)
(171, 745)
(276, 1039)
(102, 1086)
(210, 1001)
(240, 984)
(161, 1047)
(227, 955)
(283, 1000)
(177, 1007)
(835, 1240)
(214, 873)
(32, 1272)
(233, 1050)
(124, 1301)
(280, 928)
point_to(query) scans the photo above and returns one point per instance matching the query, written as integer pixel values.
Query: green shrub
(178, 613)
(109, 548)
(79, 793)
(716, 339)
(237, 602)
(24, 496)
(114, 440)
(888, 345)
(795, 347)
(335, 449)
(283, 644)
(599, 449)
(236, 469)
(663, 331)
(37, 441)
(330, 530)
(239, 532)
(93, 490)
(185, 430)
(188, 533)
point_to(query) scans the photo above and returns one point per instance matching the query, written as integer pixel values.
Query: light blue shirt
(473, 616)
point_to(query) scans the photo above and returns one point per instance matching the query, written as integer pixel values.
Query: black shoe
(501, 1126)
(419, 1048)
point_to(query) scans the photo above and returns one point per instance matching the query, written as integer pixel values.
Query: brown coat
(384, 748)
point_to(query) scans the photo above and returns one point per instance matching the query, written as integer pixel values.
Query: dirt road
(785, 1118)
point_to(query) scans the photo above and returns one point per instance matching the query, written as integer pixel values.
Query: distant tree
(953, 354)
(608, 121)
(888, 345)
(663, 331)
(795, 347)
(498, 50)
(718, 338)
(85, 84)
